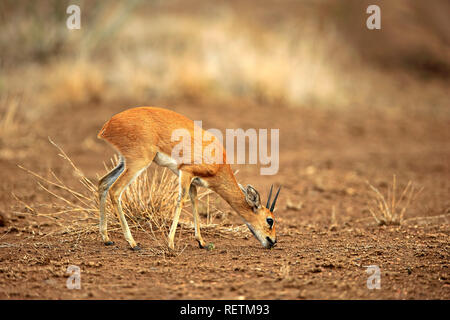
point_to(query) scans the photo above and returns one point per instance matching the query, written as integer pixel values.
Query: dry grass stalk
(390, 210)
(149, 198)
(285, 272)
(292, 206)
(334, 224)
(8, 119)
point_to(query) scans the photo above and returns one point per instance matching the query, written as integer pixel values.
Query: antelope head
(261, 221)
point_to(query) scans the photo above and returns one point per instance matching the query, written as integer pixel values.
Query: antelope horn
(275, 200)
(270, 196)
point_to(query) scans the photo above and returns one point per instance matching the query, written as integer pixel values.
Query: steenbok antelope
(144, 135)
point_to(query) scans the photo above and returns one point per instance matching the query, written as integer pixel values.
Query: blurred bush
(297, 53)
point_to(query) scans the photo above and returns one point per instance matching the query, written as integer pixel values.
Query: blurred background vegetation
(292, 53)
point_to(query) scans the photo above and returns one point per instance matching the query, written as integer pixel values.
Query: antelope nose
(271, 243)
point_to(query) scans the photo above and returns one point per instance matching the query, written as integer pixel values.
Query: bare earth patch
(327, 236)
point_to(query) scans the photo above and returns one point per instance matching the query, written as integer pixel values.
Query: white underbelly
(163, 160)
(200, 182)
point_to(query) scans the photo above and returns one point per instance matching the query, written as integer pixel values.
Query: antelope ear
(252, 197)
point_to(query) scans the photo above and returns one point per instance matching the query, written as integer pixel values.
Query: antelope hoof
(201, 244)
(136, 248)
(109, 243)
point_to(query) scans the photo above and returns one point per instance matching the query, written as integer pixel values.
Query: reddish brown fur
(143, 131)
(140, 133)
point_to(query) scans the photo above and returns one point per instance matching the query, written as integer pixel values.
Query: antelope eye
(270, 222)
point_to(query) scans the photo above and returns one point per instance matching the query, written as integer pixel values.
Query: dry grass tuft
(74, 83)
(149, 199)
(217, 55)
(16, 134)
(8, 117)
(391, 209)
